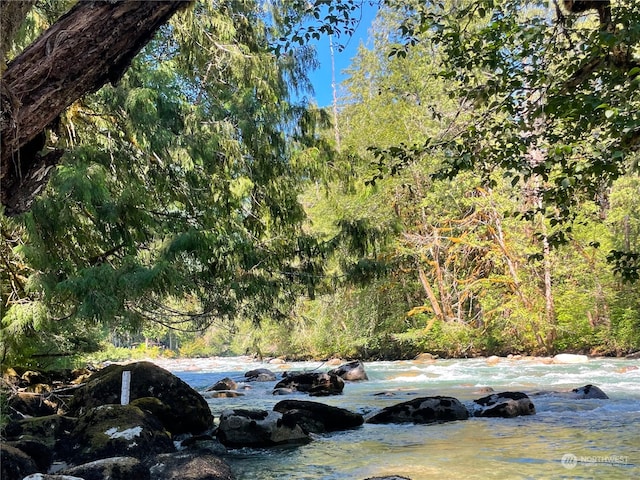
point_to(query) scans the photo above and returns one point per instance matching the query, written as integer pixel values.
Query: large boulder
(352, 371)
(504, 404)
(587, 392)
(115, 468)
(15, 464)
(189, 411)
(189, 466)
(41, 453)
(115, 431)
(315, 384)
(259, 428)
(422, 410)
(317, 417)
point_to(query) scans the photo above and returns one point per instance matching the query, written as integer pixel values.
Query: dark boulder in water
(504, 404)
(422, 410)
(315, 384)
(260, 375)
(587, 392)
(317, 417)
(258, 429)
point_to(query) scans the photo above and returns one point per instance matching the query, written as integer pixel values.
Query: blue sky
(321, 78)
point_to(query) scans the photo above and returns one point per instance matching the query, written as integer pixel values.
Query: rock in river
(315, 384)
(259, 428)
(504, 404)
(317, 417)
(352, 371)
(422, 410)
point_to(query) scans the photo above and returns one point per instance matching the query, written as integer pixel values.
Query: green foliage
(484, 179)
(178, 183)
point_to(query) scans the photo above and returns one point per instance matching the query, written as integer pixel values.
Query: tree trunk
(92, 44)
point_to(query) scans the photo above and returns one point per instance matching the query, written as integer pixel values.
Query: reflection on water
(572, 439)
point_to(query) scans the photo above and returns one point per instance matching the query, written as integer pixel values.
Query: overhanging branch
(92, 44)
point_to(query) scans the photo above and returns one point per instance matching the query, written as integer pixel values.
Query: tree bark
(92, 44)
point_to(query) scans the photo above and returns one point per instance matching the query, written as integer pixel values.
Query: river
(572, 439)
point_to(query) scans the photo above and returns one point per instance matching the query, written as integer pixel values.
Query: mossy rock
(116, 468)
(190, 466)
(188, 411)
(46, 429)
(115, 431)
(40, 453)
(15, 463)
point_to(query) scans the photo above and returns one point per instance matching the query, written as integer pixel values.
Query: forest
(473, 190)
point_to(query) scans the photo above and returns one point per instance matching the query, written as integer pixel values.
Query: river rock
(23, 405)
(114, 431)
(224, 384)
(504, 404)
(46, 429)
(315, 384)
(41, 453)
(587, 392)
(190, 412)
(46, 476)
(426, 357)
(315, 417)
(222, 394)
(493, 360)
(189, 466)
(422, 410)
(580, 393)
(352, 371)
(570, 358)
(484, 390)
(115, 468)
(633, 356)
(260, 375)
(15, 464)
(259, 428)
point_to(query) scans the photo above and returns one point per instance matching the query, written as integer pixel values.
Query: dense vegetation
(476, 193)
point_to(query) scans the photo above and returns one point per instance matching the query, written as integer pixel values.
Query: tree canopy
(486, 173)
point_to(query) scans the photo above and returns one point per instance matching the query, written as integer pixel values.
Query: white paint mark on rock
(127, 434)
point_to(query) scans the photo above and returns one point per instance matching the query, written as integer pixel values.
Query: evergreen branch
(101, 258)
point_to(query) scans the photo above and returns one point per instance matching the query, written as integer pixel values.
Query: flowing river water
(571, 439)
